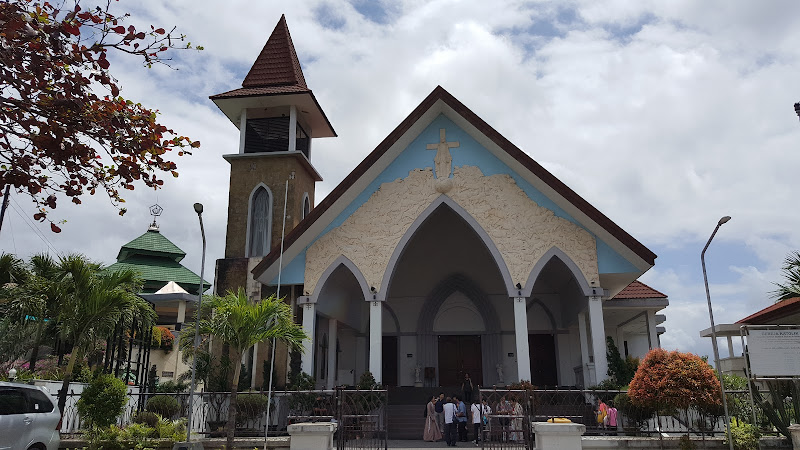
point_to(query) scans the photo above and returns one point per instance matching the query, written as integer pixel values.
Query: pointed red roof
(637, 290)
(277, 64)
(275, 71)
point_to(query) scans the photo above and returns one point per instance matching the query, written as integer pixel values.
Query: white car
(29, 418)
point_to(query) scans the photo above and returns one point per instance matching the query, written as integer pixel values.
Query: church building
(447, 250)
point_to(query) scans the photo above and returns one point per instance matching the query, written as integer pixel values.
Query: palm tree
(791, 273)
(241, 324)
(38, 299)
(94, 301)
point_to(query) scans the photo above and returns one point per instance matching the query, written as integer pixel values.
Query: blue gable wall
(469, 153)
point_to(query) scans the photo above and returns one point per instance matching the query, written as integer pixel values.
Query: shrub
(744, 435)
(103, 400)
(155, 341)
(620, 371)
(250, 405)
(172, 386)
(163, 405)
(367, 381)
(669, 380)
(174, 430)
(147, 418)
(167, 339)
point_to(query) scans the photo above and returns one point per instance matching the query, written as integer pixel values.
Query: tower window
(306, 206)
(302, 140)
(260, 219)
(267, 135)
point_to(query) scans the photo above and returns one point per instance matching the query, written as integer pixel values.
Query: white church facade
(448, 250)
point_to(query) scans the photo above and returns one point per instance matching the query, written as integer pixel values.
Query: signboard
(774, 353)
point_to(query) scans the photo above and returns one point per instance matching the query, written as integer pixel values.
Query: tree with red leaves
(674, 380)
(64, 128)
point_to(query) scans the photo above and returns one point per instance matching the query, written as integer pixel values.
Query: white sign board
(774, 353)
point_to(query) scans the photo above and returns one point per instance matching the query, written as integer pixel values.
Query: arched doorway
(444, 287)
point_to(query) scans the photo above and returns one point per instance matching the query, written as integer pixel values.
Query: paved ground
(426, 445)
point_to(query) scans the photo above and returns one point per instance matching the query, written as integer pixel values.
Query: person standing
(431, 432)
(477, 416)
(466, 388)
(449, 412)
(461, 418)
(439, 408)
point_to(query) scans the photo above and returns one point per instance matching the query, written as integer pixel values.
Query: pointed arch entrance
(459, 332)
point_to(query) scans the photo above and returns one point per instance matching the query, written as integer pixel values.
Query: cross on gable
(443, 160)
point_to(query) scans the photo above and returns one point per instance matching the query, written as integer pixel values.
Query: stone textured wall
(521, 229)
(273, 171)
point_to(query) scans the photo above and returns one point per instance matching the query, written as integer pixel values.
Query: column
(652, 333)
(181, 312)
(598, 337)
(521, 334)
(588, 376)
(254, 366)
(333, 326)
(730, 346)
(309, 319)
(375, 339)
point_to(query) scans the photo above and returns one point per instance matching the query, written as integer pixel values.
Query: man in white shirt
(477, 416)
(449, 422)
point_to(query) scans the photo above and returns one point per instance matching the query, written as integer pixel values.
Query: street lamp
(713, 330)
(797, 109)
(198, 208)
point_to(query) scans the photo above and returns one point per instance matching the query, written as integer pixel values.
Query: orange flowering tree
(674, 380)
(65, 131)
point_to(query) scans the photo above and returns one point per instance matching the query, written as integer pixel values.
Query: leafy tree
(791, 273)
(241, 324)
(93, 303)
(670, 380)
(64, 128)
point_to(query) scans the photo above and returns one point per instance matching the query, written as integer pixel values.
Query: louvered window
(267, 135)
(302, 141)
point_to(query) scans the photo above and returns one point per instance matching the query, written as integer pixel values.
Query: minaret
(277, 116)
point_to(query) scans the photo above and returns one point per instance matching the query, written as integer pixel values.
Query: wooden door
(542, 349)
(459, 355)
(389, 363)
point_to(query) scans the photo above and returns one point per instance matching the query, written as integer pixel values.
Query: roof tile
(637, 289)
(773, 312)
(277, 64)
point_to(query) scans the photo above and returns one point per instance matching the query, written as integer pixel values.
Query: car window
(39, 402)
(12, 401)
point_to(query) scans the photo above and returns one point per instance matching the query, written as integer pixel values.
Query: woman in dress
(516, 423)
(432, 432)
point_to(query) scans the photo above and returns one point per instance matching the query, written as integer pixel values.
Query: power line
(36, 230)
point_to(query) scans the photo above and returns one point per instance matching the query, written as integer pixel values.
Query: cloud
(664, 115)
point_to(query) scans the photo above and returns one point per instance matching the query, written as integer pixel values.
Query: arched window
(260, 221)
(306, 206)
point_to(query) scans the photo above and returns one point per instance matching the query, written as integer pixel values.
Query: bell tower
(277, 116)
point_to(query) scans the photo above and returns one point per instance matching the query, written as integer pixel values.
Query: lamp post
(198, 208)
(797, 109)
(714, 331)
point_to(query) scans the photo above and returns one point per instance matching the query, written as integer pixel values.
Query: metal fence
(510, 413)
(361, 415)
(362, 419)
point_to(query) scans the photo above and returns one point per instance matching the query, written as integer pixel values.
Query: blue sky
(664, 115)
